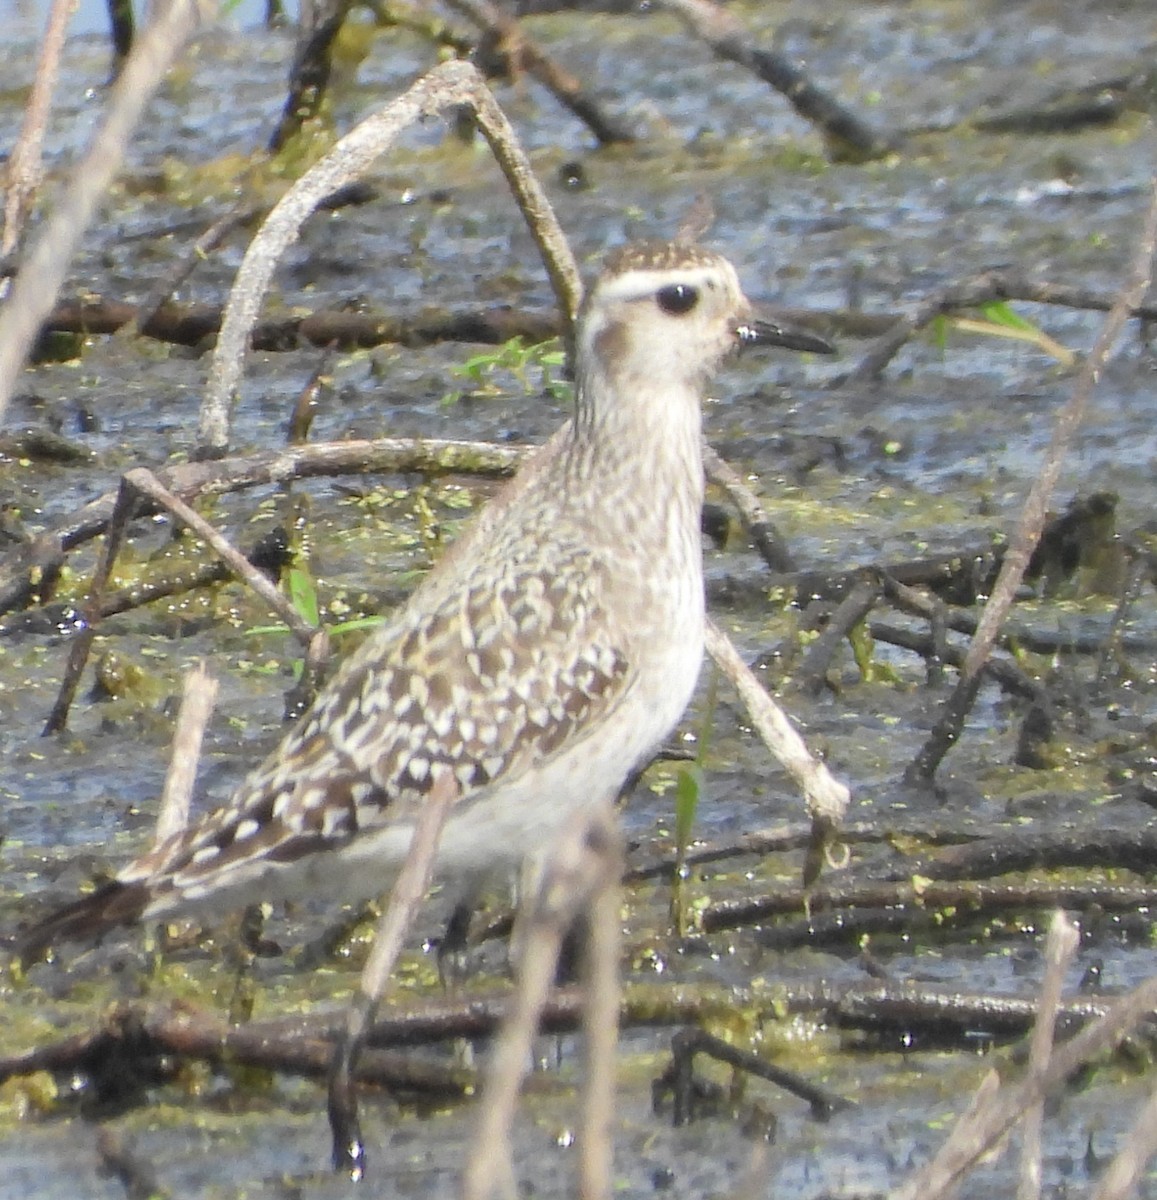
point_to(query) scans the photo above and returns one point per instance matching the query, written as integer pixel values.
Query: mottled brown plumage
(544, 659)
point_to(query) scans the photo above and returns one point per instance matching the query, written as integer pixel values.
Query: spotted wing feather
(487, 684)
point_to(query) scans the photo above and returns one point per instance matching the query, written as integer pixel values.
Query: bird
(539, 664)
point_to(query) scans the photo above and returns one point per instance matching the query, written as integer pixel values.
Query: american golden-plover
(544, 659)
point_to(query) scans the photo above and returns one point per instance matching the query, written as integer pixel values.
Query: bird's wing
(492, 681)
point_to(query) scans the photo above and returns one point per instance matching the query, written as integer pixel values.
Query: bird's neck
(643, 427)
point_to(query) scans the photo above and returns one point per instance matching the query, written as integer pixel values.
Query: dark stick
(847, 135)
(1007, 675)
(303, 1046)
(1016, 559)
(23, 569)
(142, 482)
(968, 898)
(122, 29)
(217, 232)
(689, 1042)
(770, 543)
(191, 324)
(1139, 568)
(310, 76)
(809, 678)
(528, 54)
(984, 288)
(126, 500)
(269, 555)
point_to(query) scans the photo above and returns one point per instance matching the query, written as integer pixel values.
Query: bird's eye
(677, 299)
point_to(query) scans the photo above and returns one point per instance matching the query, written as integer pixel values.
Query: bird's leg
(349, 1152)
(452, 949)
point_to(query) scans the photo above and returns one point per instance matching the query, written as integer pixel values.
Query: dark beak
(777, 333)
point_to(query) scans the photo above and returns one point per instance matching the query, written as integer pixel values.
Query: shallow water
(937, 455)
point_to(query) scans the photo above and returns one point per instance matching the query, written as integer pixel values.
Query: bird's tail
(86, 919)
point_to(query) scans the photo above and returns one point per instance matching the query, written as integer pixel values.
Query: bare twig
(25, 168)
(1060, 946)
(768, 540)
(301, 1046)
(1139, 569)
(122, 27)
(1123, 1175)
(409, 890)
(145, 482)
(992, 1117)
(197, 702)
(1032, 519)
(966, 900)
(142, 482)
(826, 798)
(692, 1041)
(528, 55)
(811, 674)
(584, 862)
(146, 313)
(22, 571)
(192, 324)
(601, 1022)
(321, 22)
(120, 514)
(847, 134)
(973, 292)
(61, 616)
(35, 287)
(451, 84)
